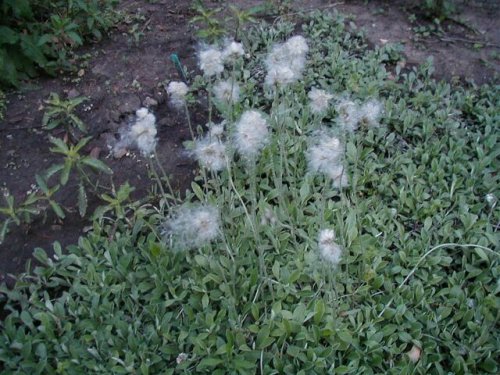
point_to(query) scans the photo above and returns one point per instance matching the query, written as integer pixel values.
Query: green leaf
(68, 164)
(197, 191)
(97, 164)
(57, 209)
(209, 362)
(319, 309)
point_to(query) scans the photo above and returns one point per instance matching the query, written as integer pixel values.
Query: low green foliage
(41, 34)
(416, 291)
(62, 112)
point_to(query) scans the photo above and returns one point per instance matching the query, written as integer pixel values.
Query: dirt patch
(119, 75)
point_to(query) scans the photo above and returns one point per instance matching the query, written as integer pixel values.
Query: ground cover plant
(40, 35)
(342, 222)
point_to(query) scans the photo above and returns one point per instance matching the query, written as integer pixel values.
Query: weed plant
(277, 263)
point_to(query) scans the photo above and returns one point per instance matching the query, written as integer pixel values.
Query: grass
(418, 225)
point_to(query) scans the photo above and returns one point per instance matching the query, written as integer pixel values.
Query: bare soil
(119, 76)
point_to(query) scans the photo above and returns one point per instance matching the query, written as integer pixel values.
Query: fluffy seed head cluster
(319, 100)
(370, 113)
(232, 51)
(177, 92)
(325, 156)
(352, 115)
(210, 153)
(143, 132)
(349, 114)
(193, 227)
(211, 61)
(251, 134)
(217, 130)
(286, 61)
(227, 91)
(328, 248)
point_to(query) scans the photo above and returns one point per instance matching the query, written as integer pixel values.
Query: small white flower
(181, 358)
(491, 199)
(227, 91)
(328, 248)
(370, 113)
(211, 154)
(193, 227)
(319, 100)
(349, 114)
(177, 92)
(143, 132)
(251, 134)
(211, 61)
(232, 51)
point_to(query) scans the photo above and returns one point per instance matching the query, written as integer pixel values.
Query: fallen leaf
(414, 354)
(95, 152)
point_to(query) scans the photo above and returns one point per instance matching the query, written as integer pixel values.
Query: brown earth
(118, 76)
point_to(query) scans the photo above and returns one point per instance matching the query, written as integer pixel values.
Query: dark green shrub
(39, 34)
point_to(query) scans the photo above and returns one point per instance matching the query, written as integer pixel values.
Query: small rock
(164, 122)
(73, 93)
(129, 104)
(149, 102)
(119, 153)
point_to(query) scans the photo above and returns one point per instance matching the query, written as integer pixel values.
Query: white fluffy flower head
(370, 113)
(251, 134)
(227, 91)
(217, 130)
(328, 248)
(349, 114)
(177, 92)
(193, 227)
(143, 131)
(325, 156)
(211, 61)
(210, 153)
(319, 100)
(280, 75)
(297, 46)
(232, 51)
(286, 62)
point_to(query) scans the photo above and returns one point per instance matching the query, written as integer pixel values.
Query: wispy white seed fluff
(192, 227)
(370, 113)
(227, 91)
(285, 62)
(349, 114)
(251, 134)
(325, 156)
(210, 153)
(143, 132)
(297, 46)
(280, 75)
(328, 248)
(177, 92)
(210, 60)
(216, 130)
(232, 51)
(320, 100)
